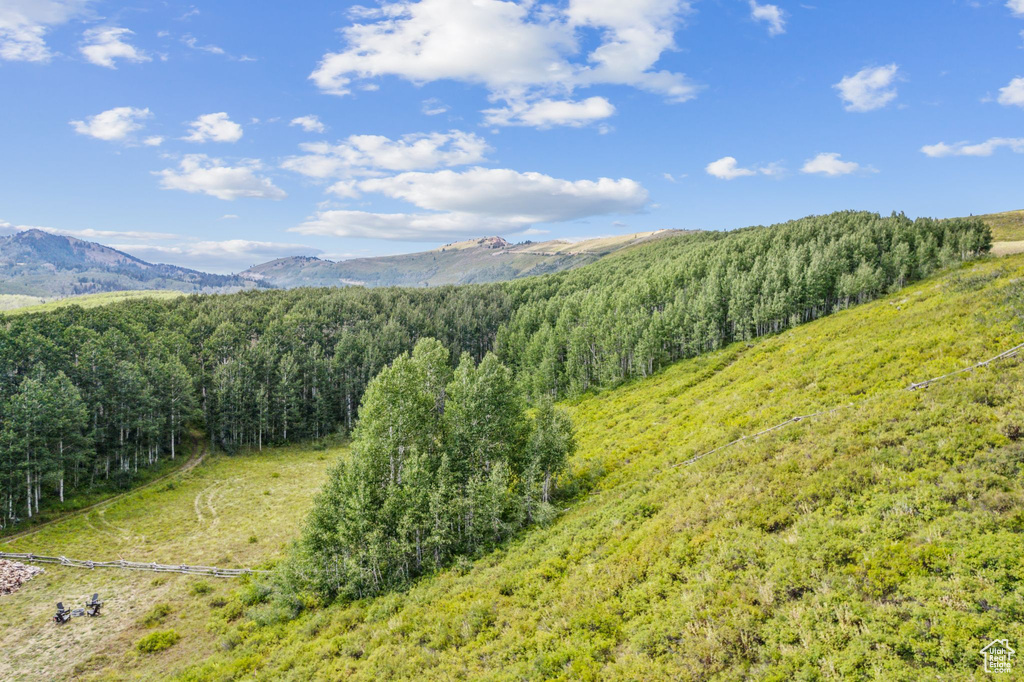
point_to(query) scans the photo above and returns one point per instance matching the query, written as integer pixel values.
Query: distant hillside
(37, 263)
(14, 304)
(1006, 227)
(490, 259)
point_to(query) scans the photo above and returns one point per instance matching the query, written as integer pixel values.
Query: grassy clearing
(12, 301)
(37, 305)
(207, 516)
(881, 543)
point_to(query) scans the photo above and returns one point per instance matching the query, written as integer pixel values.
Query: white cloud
(200, 174)
(153, 141)
(1013, 94)
(534, 197)
(311, 124)
(24, 23)
(830, 164)
(545, 113)
(104, 45)
(113, 124)
(771, 15)
(869, 88)
(229, 216)
(477, 201)
(986, 148)
(229, 255)
(538, 54)
(728, 168)
(434, 106)
(214, 128)
(1017, 7)
(346, 189)
(193, 43)
(93, 234)
(369, 154)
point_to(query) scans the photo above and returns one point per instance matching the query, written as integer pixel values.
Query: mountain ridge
(471, 261)
(38, 263)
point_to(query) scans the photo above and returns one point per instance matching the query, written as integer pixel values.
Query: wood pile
(13, 575)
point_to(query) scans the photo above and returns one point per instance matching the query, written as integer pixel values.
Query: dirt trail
(194, 461)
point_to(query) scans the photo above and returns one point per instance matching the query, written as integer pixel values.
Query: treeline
(443, 465)
(263, 367)
(629, 315)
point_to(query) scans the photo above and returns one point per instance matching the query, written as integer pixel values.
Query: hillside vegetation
(881, 541)
(88, 396)
(1006, 227)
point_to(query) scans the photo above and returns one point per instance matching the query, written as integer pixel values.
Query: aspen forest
(89, 398)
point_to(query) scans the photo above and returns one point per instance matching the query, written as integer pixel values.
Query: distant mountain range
(37, 263)
(37, 266)
(489, 259)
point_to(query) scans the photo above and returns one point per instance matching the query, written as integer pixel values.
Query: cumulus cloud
(200, 174)
(1013, 94)
(830, 164)
(370, 154)
(1017, 7)
(539, 53)
(545, 113)
(114, 124)
(461, 204)
(986, 148)
(869, 89)
(153, 141)
(214, 128)
(311, 124)
(728, 168)
(534, 197)
(771, 15)
(24, 23)
(103, 45)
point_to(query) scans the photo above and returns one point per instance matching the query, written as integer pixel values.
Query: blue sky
(219, 135)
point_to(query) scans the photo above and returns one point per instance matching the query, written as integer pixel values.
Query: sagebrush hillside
(879, 542)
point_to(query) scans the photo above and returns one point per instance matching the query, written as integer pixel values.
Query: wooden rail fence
(134, 565)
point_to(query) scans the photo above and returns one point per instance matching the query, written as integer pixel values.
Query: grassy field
(882, 541)
(236, 511)
(1007, 226)
(30, 304)
(12, 301)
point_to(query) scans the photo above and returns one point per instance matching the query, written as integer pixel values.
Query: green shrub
(202, 587)
(157, 641)
(156, 615)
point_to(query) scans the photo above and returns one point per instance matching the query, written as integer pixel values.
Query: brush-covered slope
(37, 263)
(490, 259)
(882, 541)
